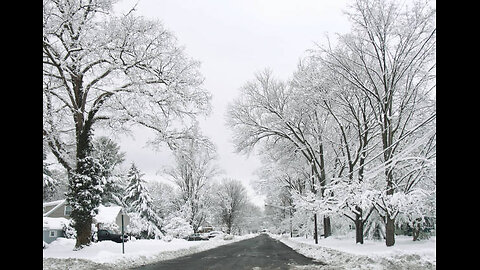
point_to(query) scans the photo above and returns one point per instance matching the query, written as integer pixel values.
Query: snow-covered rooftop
(107, 214)
(54, 223)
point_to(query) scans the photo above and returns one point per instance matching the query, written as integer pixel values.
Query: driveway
(258, 253)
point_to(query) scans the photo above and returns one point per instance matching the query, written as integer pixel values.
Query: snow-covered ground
(108, 255)
(343, 253)
(336, 252)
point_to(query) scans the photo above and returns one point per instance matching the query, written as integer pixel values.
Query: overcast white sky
(234, 39)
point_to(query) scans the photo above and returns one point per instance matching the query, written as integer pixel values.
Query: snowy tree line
(174, 208)
(351, 136)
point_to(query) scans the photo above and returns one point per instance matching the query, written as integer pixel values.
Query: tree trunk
(390, 231)
(81, 214)
(84, 232)
(359, 231)
(358, 225)
(416, 231)
(315, 234)
(327, 227)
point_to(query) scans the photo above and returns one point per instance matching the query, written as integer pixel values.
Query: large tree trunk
(83, 181)
(84, 233)
(315, 229)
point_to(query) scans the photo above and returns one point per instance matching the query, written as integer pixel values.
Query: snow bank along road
(258, 253)
(261, 252)
(59, 255)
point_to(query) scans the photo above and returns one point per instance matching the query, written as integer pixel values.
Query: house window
(53, 233)
(68, 210)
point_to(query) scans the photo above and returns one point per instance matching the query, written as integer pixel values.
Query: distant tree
(194, 156)
(145, 221)
(49, 183)
(232, 199)
(108, 154)
(165, 198)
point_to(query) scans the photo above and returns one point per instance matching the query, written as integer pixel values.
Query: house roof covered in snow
(107, 214)
(54, 223)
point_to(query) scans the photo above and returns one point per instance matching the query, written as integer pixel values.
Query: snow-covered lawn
(343, 253)
(108, 255)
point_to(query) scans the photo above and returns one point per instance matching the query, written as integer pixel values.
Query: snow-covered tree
(194, 168)
(268, 112)
(165, 198)
(105, 70)
(389, 56)
(250, 220)
(232, 198)
(108, 154)
(144, 221)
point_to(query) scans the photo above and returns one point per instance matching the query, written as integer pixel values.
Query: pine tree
(108, 154)
(145, 221)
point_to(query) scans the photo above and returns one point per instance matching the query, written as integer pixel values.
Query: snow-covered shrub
(178, 227)
(227, 237)
(142, 228)
(68, 230)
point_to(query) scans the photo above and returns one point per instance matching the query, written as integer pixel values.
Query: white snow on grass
(108, 255)
(344, 253)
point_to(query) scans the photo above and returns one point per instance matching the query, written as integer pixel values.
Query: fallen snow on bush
(343, 253)
(108, 255)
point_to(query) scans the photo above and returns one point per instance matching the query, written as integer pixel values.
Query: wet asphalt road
(259, 253)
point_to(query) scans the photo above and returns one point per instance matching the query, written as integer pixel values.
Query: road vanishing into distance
(259, 253)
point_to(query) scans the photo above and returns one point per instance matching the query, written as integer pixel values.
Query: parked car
(214, 234)
(197, 237)
(103, 235)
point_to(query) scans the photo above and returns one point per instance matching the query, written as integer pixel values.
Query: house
(53, 228)
(110, 217)
(56, 209)
(56, 216)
